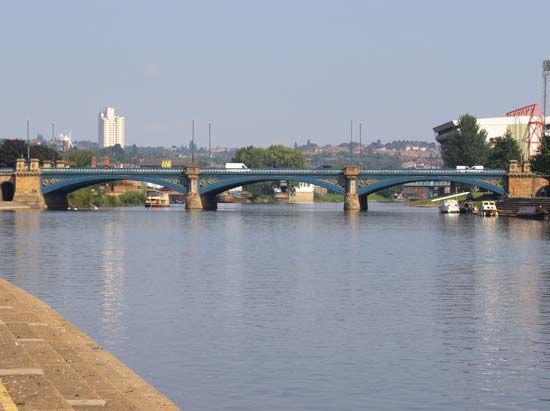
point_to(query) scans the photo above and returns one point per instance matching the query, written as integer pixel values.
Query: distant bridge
(201, 186)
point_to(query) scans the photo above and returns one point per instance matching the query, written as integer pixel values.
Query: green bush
(92, 196)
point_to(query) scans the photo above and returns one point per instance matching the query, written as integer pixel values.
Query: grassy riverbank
(90, 197)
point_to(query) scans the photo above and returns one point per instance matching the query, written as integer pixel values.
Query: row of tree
(275, 156)
(11, 150)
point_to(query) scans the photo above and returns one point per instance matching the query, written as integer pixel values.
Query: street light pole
(360, 126)
(28, 142)
(53, 141)
(193, 142)
(351, 144)
(210, 144)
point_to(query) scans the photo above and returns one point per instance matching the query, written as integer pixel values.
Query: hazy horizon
(266, 73)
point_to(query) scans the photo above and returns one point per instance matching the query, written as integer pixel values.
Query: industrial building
(525, 124)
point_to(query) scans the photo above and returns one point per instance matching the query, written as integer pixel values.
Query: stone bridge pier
(521, 182)
(209, 202)
(27, 180)
(193, 199)
(352, 202)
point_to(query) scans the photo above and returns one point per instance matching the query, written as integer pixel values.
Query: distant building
(524, 124)
(67, 140)
(303, 193)
(110, 128)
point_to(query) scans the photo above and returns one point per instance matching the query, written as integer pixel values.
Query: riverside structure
(32, 186)
(46, 363)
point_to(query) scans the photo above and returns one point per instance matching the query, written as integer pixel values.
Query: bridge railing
(6, 170)
(336, 172)
(272, 171)
(126, 171)
(275, 171)
(435, 172)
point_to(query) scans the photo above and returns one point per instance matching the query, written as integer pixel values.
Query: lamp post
(53, 142)
(546, 76)
(351, 144)
(360, 130)
(210, 144)
(28, 142)
(193, 142)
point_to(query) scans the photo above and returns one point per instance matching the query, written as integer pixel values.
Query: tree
(467, 145)
(11, 150)
(540, 162)
(80, 158)
(253, 157)
(275, 156)
(279, 156)
(504, 150)
(115, 153)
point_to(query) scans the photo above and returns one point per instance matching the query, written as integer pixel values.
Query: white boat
(488, 209)
(449, 206)
(156, 198)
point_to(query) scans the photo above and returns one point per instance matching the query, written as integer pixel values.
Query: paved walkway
(46, 363)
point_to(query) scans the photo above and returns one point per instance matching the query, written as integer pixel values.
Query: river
(302, 307)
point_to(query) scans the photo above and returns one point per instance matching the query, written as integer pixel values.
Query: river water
(291, 307)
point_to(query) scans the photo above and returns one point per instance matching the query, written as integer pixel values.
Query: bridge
(47, 186)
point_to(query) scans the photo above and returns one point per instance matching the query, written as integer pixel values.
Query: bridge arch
(7, 190)
(396, 181)
(225, 184)
(76, 183)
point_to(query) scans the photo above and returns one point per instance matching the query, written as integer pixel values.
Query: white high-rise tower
(111, 128)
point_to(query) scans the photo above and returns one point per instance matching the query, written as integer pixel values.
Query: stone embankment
(46, 363)
(10, 205)
(511, 206)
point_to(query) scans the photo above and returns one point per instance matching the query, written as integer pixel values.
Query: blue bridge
(48, 186)
(201, 186)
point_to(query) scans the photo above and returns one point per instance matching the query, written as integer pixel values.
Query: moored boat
(532, 212)
(488, 209)
(156, 198)
(449, 206)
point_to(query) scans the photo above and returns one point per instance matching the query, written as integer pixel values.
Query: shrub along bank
(90, 197)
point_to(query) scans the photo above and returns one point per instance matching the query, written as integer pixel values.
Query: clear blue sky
(266, 72)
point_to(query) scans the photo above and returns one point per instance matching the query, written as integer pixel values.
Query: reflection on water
(302, 307)
(112, 269)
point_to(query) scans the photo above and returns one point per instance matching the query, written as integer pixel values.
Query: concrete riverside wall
(300, 197)
(46, 363)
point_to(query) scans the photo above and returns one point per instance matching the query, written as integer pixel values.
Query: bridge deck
(271, 171)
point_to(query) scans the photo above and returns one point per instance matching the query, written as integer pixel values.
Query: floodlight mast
(546, 76)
